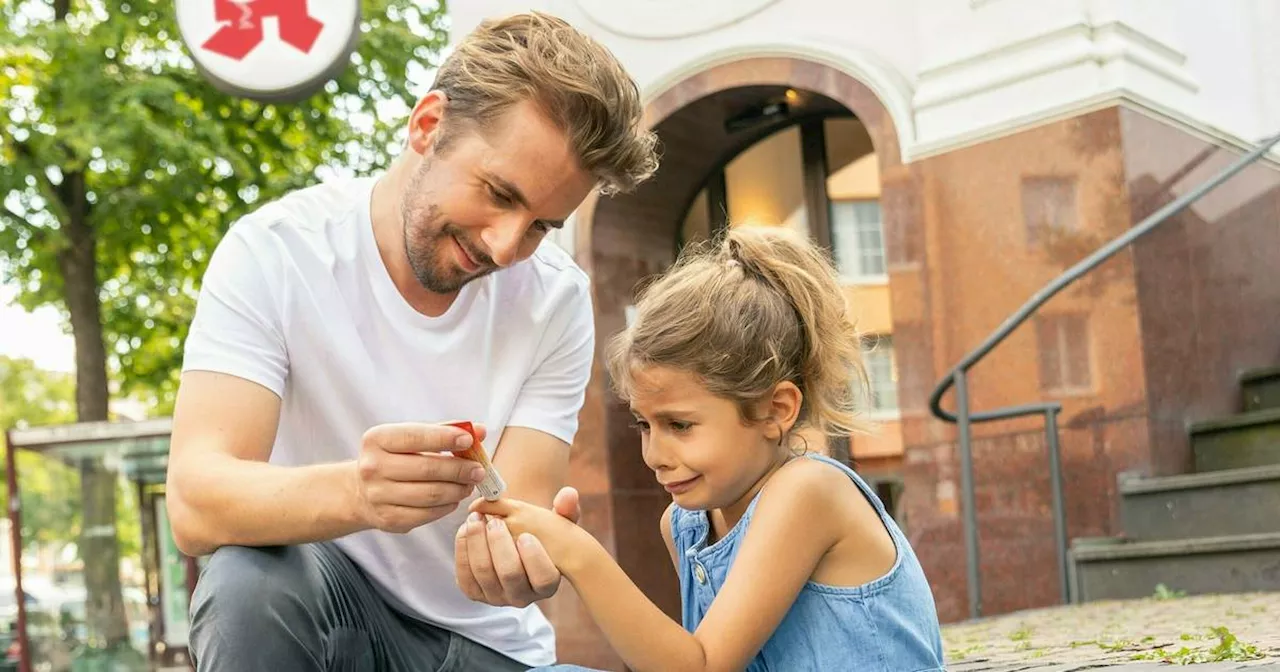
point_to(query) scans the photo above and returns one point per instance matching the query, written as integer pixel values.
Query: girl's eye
(677, 426)
(640, 425)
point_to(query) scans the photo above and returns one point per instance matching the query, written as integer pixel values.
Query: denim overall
(887, 625)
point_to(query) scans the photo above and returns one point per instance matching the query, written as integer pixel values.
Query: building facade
(956, 156)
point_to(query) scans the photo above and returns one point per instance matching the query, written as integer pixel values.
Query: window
(1048, 204)
(858, 240)
(889, 490)
(1065, 359)
(882, 370)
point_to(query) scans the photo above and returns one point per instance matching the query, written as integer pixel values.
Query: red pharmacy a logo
(241, 25)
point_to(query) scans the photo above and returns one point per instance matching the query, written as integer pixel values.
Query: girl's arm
(799, 517)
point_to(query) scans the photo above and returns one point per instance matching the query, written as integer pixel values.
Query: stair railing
(964, 418)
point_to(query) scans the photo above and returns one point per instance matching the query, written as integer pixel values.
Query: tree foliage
(108, 102)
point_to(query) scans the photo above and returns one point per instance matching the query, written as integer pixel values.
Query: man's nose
(503, 239)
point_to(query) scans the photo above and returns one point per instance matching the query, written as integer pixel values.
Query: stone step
(1201, 505)
(1244, 440)
(1261, 388)
(1207, 565)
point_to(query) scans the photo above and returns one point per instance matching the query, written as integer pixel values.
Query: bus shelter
(43, 614)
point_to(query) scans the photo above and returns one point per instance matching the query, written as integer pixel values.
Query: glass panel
(87, 566)
(1048, 204)
(870, 237)
(765, 184)
(1050, 353)
(879, 361)
(844, 239)
(857, 239)
(1077, 360)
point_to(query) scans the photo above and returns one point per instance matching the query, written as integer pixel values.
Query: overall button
(700, 573)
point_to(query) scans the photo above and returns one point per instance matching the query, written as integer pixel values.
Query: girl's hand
(562, 539)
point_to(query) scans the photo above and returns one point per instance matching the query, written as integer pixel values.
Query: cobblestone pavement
(1239, 631)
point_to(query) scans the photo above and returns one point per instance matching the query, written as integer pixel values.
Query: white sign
(269, 50)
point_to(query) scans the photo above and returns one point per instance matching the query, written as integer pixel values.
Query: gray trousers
(309, 608)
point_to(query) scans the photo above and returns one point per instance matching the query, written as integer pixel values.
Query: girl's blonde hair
(759, 307)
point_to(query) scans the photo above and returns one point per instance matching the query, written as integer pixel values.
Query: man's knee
(255, 604)
(242, 587)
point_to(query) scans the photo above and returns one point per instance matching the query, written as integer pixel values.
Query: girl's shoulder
(812, 478)
(817, 491)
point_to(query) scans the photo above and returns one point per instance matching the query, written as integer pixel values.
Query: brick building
(956, 155)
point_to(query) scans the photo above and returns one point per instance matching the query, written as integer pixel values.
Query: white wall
(954, 72)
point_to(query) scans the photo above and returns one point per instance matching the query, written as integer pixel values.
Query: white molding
(1127, 99)
(669, 19)
(892, 89)
(1051, 52)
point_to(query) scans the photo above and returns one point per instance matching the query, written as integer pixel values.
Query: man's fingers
(481, 562)
(542, 574)
(507, 565)
(417, 437)
(462, 567)
(411, 468)
(418, 495)
(401, 519)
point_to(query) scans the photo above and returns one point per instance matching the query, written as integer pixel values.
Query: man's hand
(492, 568)
(402, 480)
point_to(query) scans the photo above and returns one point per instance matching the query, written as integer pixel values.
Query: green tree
(30, 397)
(121, 167)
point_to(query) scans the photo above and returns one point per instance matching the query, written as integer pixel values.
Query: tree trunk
(99, 545)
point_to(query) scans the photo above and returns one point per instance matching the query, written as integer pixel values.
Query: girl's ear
(784, 408)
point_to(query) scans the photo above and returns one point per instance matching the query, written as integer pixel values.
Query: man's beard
(426, 238)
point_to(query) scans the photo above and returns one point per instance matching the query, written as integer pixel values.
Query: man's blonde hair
(574, 79)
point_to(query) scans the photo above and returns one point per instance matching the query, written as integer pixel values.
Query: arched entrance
(771, 141)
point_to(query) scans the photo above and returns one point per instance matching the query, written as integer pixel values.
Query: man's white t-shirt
(297, 299)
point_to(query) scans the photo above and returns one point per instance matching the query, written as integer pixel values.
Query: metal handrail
(957, 377)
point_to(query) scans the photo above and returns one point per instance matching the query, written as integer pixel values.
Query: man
(339, 326)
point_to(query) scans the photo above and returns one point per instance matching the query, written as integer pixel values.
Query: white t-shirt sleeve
(237, 328)
(553, 395)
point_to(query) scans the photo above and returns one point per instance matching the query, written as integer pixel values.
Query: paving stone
(1120, 635)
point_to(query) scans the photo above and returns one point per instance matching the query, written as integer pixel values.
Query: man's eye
(497, 196)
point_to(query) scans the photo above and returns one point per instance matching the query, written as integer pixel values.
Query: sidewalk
(1236, 631)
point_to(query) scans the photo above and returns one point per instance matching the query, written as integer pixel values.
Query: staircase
(1216, 530)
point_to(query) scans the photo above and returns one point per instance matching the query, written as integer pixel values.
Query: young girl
(787, 559)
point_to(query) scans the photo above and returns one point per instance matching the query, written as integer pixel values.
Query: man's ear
(424, 122)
